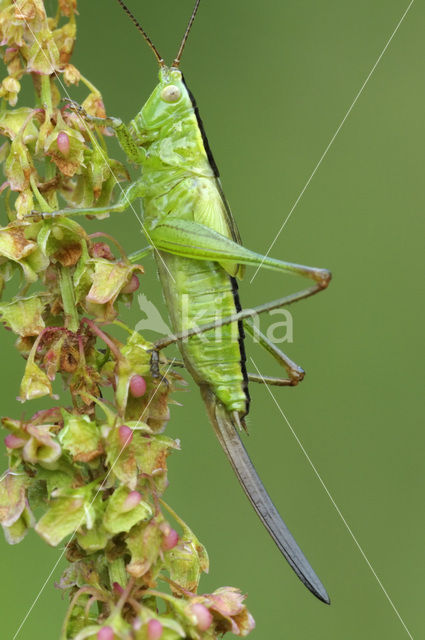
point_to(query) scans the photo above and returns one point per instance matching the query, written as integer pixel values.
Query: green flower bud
(71, 75)
(9, 90)
(65, 40)
(61, 240)
(16, 247)
(41, 448)
(24, 204)
(11, 30)
(187, 560)
(35, 383)
(24, 315)
(230, 613)
(18, 166)
(109, 279)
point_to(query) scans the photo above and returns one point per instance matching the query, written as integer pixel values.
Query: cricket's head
(169, 100)
(170, 97)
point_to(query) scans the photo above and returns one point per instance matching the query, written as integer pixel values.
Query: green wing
(231, 223)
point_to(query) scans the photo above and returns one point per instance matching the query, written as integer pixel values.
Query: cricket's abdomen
(198, 292)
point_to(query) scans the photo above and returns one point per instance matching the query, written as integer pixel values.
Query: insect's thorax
(168, 130)
(176, 146)
(177, 176)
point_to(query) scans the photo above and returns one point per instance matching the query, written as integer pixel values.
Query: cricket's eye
(171, 93)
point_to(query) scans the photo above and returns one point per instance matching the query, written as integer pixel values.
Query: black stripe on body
(236, 238)
(238, 306)
(202, 130)
(231, 221)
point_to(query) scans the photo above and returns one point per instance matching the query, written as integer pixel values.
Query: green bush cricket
(199, 256)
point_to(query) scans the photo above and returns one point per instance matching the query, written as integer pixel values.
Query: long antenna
(143, 32)
(189, 26)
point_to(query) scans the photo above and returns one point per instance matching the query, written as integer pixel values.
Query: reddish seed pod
(154, 629)
(137, 386)
(105, 633)
(170, 540)
(13, 442)
(63, 142)
(125, 434)
(132, 500)
(202, 615)
(132, 286)
(117, 588)
(102, 250)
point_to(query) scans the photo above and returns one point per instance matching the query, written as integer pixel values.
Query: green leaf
(93, 539)
(56, 480)
(42, 448)
(15, 515)
(67, 514)
(62, 240)
(118, 518)
(24, 315)
(144, 543)
(12, 120)
(18, 530)
(12, 497)
(35, 383)
(81, 437)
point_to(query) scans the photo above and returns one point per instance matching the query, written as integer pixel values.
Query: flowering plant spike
(93, 470)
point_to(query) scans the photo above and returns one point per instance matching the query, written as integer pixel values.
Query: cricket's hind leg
(295, 373)
(244, 315)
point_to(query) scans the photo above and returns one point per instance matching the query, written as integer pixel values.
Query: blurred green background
(273, 80)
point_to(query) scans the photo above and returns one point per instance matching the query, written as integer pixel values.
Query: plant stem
(68, 300)
(117, 572)
(46, 94)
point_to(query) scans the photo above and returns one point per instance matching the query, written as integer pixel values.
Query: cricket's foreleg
(128, 195)
(193, 240)
(295, 373)
(133, 152)
(138, 255)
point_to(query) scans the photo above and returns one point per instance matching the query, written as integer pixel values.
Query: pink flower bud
(125, 434)
(117, 588)
(137, 624)
(102, 250)
(137, 386)
(13, 442)
(202, 615)
(105, 633)
(154, 629)
(132, 500)
(63, 142)
(133, 285)
(170, 540)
